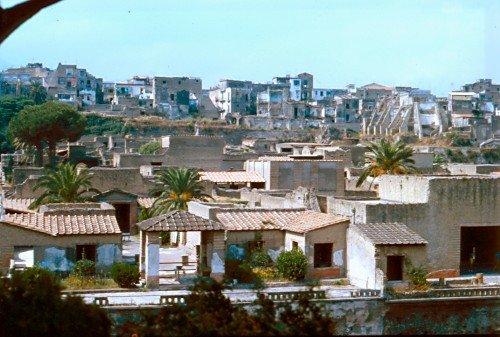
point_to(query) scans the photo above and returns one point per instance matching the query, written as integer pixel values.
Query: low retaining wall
(366, 313)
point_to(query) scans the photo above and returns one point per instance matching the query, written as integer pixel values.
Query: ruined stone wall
(274, 240)
(126, 179)
(406, 189)
(452, 203)
(429, 317)
(320, 175)
(379, 317)
(20, 174)
(195, 151)
(136, 160)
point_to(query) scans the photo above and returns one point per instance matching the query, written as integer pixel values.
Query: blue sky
(437, 45)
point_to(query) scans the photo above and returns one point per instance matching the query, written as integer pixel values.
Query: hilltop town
(281, 166)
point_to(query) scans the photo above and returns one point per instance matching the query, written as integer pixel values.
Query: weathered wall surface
(323, 176)
(406, 189)
(273, 240)
(126, 179)
(452, 203)
(458, 169)
(195, 151)
(335, 234)
(56, 253)
(425, 317)
(378, 317)
(20, 174)
(360, 260)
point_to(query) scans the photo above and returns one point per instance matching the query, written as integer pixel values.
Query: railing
(101, 301)
(365, 293)
(446, 293)
(173, 299)
(295, 295)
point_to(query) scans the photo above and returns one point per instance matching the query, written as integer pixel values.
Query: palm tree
(37, 92)
(387, 157)
(66, 184)
(179, 186)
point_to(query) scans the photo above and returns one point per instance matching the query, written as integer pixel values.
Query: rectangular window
(172, 97)
(295, 245)
(323, 255)
(85, 251)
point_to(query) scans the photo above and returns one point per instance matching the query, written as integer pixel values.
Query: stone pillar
(142, 258)
(133, 218)
(218, 255)
(340, 180)
(152, 260)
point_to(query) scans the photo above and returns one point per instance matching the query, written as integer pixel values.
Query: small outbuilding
(381, 252)
(59, 235)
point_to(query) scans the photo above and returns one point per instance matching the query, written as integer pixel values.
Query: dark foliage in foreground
(31, 305)
(208, 312)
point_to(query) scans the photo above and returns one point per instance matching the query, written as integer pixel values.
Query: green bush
(491, 156)
(239, 270)
(292, 264)
(84, 267)
(149, 148)
(416, 275)
(260, 259)
(36, 293)
(125, 275)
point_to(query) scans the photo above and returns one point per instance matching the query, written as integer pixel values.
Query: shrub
(238, 270)
(36, 293)
(84, 268)
(260, 259)
(491, 156)
(125, 275)
(266, 273)
(416, 275)
(292, 264)
(150, 148)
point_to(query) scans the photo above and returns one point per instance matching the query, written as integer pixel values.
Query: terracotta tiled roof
(145, 202)
(276, 158)
(18, 204)
(232, 177)
(179, 221)
(308, 158)
(257, 219)
(390, 234)
(309, 221)
(65, 224)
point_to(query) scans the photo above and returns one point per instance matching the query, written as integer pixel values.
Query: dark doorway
(323, 255)
(479, 249)
(395, 268)
(123, 216)
(85, 251)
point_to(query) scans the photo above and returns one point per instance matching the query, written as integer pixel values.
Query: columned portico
(212, 247)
